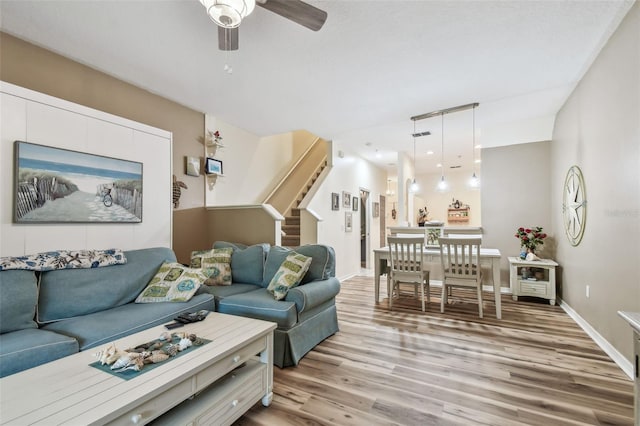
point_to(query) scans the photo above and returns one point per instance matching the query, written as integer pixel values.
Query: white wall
(598, 129)
(252, 165)
(350, 173)
(438, 202)
(33, 117)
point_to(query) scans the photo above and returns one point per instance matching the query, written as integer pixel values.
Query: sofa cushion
(27, 348)
(260, 304)
(322, 266)
(247, 263)
(222, 291)
(323, 263)
(18, 299)
(70, 293)
(215, 263)
(173, 282)
(101, 328)
(289, 274)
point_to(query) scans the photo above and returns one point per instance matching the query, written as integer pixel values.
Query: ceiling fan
(228, 15)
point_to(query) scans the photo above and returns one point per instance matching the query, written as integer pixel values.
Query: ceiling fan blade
(297, 11)
(228, 38)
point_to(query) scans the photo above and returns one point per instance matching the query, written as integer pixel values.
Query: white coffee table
(69, 391)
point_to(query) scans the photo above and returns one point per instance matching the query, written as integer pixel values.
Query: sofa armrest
(312, 294)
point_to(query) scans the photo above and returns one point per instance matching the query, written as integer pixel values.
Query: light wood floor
(534, 367)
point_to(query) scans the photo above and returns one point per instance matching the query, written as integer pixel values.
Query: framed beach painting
(55, 185)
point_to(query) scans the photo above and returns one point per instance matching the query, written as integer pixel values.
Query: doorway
(364, 228)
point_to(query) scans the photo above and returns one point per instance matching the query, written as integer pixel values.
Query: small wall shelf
(210, 148)
(460, 215)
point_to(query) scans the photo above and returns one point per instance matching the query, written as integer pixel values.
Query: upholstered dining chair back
(460, 259)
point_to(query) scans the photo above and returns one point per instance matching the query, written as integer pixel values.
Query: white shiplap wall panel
(13, 126)
(157, 183)
(38, 118)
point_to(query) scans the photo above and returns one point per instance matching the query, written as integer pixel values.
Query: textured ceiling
(358, 80)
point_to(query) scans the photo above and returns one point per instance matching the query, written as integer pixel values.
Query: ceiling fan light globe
(228, 13)
(224, 16)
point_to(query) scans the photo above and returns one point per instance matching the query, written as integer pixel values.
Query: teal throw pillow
(289, 274)
(215, 264)
(173, 282)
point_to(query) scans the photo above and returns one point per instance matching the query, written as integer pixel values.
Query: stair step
(291, 229)
(290, 220)
(290, 241)
(295, 212)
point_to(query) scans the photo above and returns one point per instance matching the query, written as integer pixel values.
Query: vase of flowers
(530, 239)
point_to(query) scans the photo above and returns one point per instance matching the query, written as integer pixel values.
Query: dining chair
(407, 259)
(460, 259)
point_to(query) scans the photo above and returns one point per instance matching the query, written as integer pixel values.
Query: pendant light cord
(442, 148)
(473, 152)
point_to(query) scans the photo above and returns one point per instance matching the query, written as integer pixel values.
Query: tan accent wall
(38, 69)
(190, 232)
(243, 224)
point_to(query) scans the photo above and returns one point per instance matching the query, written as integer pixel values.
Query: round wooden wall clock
(574, 205)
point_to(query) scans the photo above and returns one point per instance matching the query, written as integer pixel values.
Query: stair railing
(285, 195)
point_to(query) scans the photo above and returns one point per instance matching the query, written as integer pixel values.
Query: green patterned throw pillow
(173, 282)
(289, 274)
(215, 264)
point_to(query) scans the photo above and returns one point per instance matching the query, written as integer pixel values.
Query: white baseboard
(613, 353)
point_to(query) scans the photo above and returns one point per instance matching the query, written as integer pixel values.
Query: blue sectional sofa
(72, 310)
(305, 317)
(49, 315)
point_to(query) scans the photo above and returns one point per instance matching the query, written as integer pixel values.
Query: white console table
(544, 286)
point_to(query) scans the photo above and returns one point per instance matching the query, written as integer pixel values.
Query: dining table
(489, 259)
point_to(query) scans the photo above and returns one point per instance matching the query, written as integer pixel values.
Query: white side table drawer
(533, 288)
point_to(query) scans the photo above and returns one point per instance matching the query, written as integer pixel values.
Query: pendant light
(389, 191)
(442, 185)
(414, 186)
(474, 182)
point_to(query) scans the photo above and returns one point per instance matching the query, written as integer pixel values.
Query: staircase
(291, 228)
(291, 225)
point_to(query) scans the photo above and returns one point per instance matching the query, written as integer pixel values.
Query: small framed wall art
(346, 199)
(355, 203)
(192, 166)
(213, 166)
(348, 222)
(376, 209)
(335, 201)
